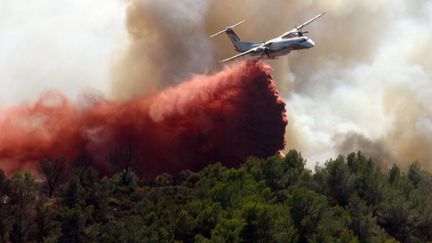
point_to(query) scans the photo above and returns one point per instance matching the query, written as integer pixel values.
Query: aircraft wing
(294, 31)
(255, 49)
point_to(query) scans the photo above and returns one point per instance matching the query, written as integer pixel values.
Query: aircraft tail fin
(234, 38)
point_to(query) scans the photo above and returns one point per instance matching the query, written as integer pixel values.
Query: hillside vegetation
(348, 199)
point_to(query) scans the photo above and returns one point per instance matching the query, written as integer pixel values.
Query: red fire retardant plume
(224, 117)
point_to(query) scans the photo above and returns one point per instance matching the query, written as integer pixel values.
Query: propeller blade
(218, 33)
(239, 23)
(227, 28)
(309, 21)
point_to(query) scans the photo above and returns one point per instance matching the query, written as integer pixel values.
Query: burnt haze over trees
(348, 199)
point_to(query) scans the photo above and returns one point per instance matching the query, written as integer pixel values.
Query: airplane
(279, 46)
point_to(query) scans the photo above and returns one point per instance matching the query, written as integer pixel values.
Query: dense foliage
(265, 200)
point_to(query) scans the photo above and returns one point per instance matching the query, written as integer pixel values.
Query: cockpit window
(303, 40)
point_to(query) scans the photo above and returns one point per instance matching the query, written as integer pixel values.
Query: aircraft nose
(311, 43)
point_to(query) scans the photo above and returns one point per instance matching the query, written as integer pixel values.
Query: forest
(278, 199)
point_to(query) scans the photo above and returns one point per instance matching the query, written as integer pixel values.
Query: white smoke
(369, 81)
(168, 44)
(62, 45)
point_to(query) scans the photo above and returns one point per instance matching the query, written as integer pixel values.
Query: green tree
(394, 174)
(338, 180)
(395, 217)
(307, 208)
(22, 197)
(265, 223)
(72, 226)
(44, 223)
(228, 230)
(73, 197)
(363, 221)
(416, 174)
(53, 172)
(5, 206)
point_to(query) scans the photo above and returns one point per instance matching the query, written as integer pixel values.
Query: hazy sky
(66, 45)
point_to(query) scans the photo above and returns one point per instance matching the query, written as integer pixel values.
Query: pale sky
(65, 45)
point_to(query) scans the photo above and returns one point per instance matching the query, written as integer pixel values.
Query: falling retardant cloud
(225, 117)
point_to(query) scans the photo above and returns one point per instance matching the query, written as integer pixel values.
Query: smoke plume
(368, 76)
(224, 117)
(168, 43)
(376, 150)
(367, 79)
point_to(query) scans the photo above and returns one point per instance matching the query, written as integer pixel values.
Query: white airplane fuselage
(279, 46)
(271, 49)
